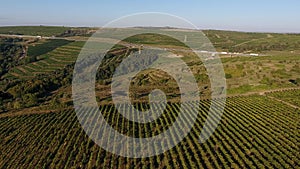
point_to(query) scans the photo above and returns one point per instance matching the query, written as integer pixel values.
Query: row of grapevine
(290, 96)
(49, 62)
(254, 132)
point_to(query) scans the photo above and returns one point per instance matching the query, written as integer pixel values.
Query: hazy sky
(254, 15)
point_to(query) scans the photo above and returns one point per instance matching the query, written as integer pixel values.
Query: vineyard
(48, 62)
(39, 127)
(255, 132)
(290, 96)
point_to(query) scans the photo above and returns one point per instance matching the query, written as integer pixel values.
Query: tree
(17, 104)
(30, 100)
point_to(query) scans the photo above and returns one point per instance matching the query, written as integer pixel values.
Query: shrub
(228, 76)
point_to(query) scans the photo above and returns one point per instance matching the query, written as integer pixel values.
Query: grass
(255, 42)
(154, 39)
(34, 30)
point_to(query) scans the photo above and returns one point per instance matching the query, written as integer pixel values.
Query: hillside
(40, 128)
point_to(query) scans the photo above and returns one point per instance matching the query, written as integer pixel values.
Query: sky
(239, 15)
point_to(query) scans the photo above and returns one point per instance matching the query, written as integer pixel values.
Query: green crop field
(258, 129)
(290, 96)
(63, 53)
(46, 47)
(255, 42)
(34, 30)
(254, 132)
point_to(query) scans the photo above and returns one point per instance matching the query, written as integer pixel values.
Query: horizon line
(202, 29)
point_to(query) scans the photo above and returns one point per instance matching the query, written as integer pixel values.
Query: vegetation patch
(46, 47)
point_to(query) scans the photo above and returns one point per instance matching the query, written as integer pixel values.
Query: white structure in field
(185, 38)
(141, 48)
(253, 54)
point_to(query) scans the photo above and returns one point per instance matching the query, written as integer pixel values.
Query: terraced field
(48, 62)
(255, 132)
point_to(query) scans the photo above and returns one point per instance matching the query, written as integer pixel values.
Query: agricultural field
(289, 96)
(64, 53)
(40, 49)
(255, 132)
(33, 30)
(253, 42)
(259, 128)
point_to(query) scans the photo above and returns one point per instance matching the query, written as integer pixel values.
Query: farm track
(282, 101)
(264, 92)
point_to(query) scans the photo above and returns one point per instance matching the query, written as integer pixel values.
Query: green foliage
(46, 47)
(10, 53)
(228, 76)
(30, 100)
(18, 104)
(56, 103)
(111, 61)
(266, 81)
(78, 32)
(33, 30)
(28, 93)
(30, 59)
(54, 60)
(246, 137)
(150, 38)
(290, 96)
(201, 77)
(281, 73)
(255, 42)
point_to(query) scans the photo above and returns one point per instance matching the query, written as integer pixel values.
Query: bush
(30, 100)
(30, 59)
(228, 76)
(18, 104)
